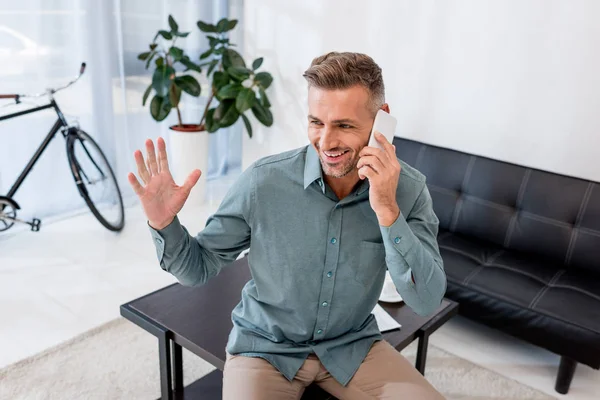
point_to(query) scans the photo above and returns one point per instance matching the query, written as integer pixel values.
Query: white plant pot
(189, 151)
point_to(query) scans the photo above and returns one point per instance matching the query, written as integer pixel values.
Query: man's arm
(413, 257)
(194, 260)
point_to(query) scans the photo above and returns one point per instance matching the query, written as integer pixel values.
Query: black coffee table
(199, 319)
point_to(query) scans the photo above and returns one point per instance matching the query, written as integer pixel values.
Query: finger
(385, 145)
(152, 165)
(163, 162)
(191, 180)
(374, 151)
(141, 165)
(372, 162)
(366, 172)
(381, 139)
(135, 184)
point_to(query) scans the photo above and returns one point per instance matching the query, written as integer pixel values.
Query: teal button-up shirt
(318, 263)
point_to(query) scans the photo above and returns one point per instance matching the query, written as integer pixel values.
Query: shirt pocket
(371, 261)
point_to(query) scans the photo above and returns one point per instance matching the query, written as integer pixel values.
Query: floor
(73, 275)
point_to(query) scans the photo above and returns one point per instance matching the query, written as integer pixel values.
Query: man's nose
(329, 139)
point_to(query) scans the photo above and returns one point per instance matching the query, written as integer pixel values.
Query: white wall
(516, 80)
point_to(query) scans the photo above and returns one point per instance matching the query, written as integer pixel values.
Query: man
(323, 222)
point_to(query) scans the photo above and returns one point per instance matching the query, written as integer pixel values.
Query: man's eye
(315, 122)
(345, 126)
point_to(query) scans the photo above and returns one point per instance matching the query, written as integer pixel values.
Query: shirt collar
(312, 167)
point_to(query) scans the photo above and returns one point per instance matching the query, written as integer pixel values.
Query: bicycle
(93, 175)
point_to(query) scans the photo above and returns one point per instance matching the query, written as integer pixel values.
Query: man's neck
(343, 186)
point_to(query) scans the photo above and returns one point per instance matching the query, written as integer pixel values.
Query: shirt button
(397, 240)
(320, 331)
(325, 304)
(329, 274)
(333, 240)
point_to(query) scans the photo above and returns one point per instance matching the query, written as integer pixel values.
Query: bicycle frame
(60, 122)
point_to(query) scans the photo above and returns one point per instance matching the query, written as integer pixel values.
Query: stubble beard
(338, 171)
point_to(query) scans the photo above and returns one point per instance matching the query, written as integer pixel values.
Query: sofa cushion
(526, 296)
(553, 216)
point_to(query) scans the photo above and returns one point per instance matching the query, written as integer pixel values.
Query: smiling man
(323, 223)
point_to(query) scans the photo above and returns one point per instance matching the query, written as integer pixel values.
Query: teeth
(333, 154)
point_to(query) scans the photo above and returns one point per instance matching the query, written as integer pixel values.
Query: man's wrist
(389, 216)
(160, 225)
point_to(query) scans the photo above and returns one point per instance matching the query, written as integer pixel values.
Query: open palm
(160, 196)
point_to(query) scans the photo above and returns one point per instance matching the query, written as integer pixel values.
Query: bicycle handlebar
(50, 92)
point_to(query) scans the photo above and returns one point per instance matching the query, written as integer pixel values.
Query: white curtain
(43, 42)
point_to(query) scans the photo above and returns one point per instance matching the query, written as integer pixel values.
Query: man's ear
(386, 108)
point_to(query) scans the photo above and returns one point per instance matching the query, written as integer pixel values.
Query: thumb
(191, 180)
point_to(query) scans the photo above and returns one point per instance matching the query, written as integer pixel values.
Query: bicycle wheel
(95, 180)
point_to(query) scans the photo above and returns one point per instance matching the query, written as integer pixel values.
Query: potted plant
(235, 90)
(167, 84)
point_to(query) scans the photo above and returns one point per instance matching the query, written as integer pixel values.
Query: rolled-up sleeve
(193, 260)
(412, 251)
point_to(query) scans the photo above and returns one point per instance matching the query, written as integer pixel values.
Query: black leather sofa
(521, 249)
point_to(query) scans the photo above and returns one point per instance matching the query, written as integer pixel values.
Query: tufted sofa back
(519, 208)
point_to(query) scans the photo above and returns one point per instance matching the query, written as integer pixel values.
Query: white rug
(119, 360)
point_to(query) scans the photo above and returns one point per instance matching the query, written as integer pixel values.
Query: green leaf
(244, 100)
(213, 41)
(172, 24)
(229, 91)
(160, 108)
(190, 64)
(174, 95)
(160, 61)
(264, 79)
(165, 34)
(220, 79)
(188, 84)
(232, 58)
(212, 66)
(153, 46)
(161, 80)
(204, 27)
(231, 24)
(226, 113)
(144, 56)
(262, 114)
(222, 109)
(176, 53)
(248, 125)
(210, 123)
(239, 73)
(206, 53)
(220, 50)
(149, 59)
(181, 34)
(257, 63)
(264, 100)
(146, 94)
(222, 25)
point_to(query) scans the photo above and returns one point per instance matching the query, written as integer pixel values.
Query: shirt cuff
(398, 237)
(167, 237)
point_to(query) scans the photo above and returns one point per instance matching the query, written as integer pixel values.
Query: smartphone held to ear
(386, 125)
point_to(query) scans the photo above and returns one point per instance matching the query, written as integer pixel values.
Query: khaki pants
(384, 374)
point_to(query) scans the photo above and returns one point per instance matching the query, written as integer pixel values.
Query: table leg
(422, 353)
(177, 367)
(164, 350)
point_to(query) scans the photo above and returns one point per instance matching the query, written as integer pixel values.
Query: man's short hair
(337, 70)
